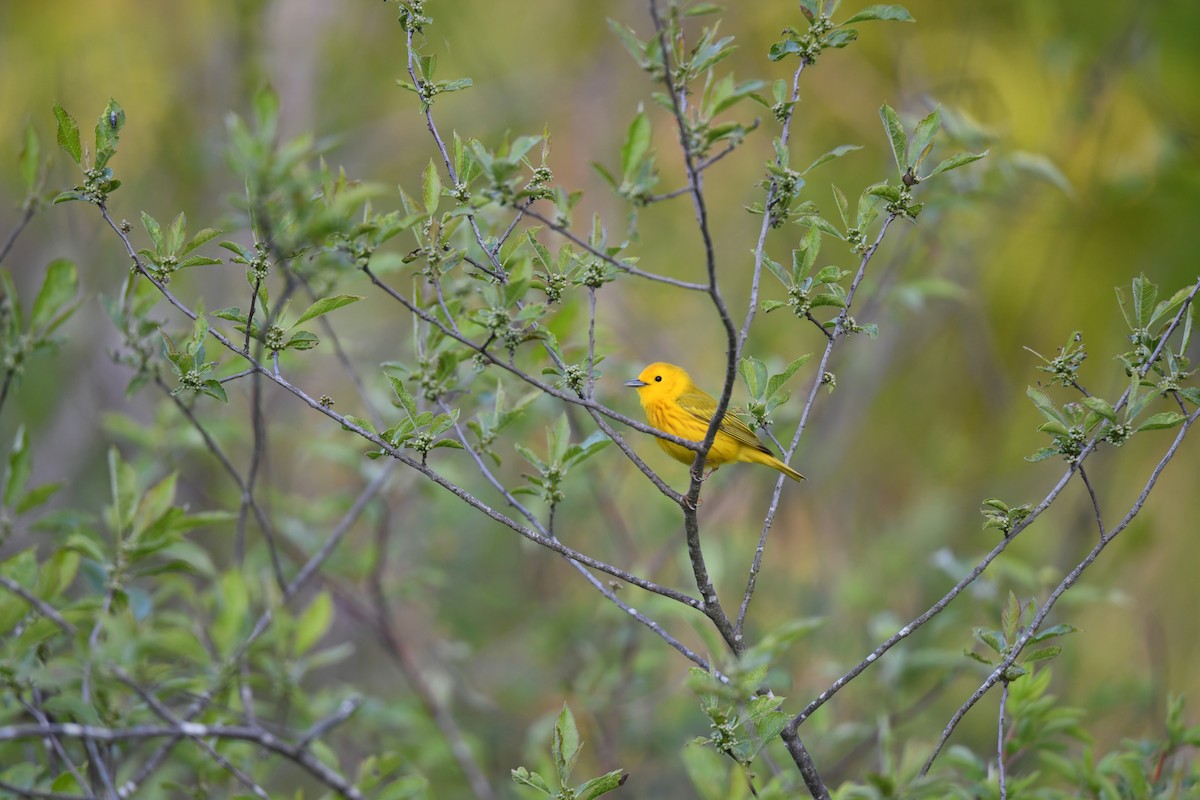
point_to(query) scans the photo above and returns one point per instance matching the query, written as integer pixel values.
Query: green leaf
(455, 85)
(325, 305)
(922, 141)
(302, 340)
(123, 489)
(35, 497)
(1101, 407)
(524, 777)
(636, 145)
(889, 11)
(1045, 405)
(58, 289)
(776, 381)
(896, 136)
(842, 204)
(602, 785)
(68, 134)
(954, 162)
(1169, 305)
(754, 373)
(431, 185)
(314, 622)
(1042, 454)
(19, 468)
(840, 37)
(1144, 294)
(1162, 420)
(403, 395)
(990, 638)
(1044, 654)
(108, 132)
(154, 231)
(201, 237)
(1055, 427)
(30, 160)
(1010, 618)
(977, 657)
(154, 504)
(780, 50)
(1061, 629)
(836, 152)
(176, 233)
(566, 745)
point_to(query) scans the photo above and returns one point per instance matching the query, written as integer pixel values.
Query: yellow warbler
(674, 404)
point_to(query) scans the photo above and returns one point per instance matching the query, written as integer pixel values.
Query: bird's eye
(658, 378)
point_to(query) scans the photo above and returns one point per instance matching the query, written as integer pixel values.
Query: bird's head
(661, 380)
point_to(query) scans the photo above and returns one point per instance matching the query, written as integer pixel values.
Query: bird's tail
(774, 463)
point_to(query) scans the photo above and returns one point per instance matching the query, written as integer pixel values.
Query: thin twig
(1000, 741)
(43, 608)
(1095, 503)
(30, 210)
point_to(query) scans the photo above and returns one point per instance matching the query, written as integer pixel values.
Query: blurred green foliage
(1090, 117)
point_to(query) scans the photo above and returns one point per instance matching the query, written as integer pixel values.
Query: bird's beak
(636, 384)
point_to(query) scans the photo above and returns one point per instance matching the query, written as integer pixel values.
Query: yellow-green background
(927, 420)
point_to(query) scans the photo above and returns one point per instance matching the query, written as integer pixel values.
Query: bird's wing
(701, 406)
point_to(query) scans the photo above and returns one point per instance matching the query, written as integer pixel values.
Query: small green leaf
(566, 744)
(431, 185)
(154, 231)
(954, 162)
(754, 373)
(1043, 654)
(403, 395)
(990, 638)
(977, 657)
(1162, 420)
(524, 777)
(603, 784)
(1044, 405)
(1055, 427)
(68, 134)
(896, 136)
(302, 340)
(889, 11)
(777, 381)
(19, 468)
(1010, 618)
(58, 289)
(1101, 407)
(201, 237)
(108, 133)
(325, 305)
(314, 622)
(30, 160)
(836, 152)
(636, 146)
(922, 141)
(1061, 629)
(176, 233)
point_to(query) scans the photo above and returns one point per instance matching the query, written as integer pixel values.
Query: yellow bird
(674, 404)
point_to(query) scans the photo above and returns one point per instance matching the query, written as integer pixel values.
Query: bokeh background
(1092, 118)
